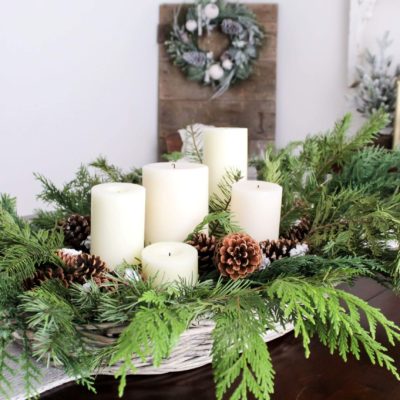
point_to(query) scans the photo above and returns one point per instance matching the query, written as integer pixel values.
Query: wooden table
(322, 377)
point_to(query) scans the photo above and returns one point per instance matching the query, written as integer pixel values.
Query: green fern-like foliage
(349, 193)
(334, 316)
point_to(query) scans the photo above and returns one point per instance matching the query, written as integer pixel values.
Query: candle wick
(169, 254)
(173, 165)
(258, 186)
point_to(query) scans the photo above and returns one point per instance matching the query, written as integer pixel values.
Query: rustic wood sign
(251, 103)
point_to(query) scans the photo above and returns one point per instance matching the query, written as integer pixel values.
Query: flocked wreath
(234, 20)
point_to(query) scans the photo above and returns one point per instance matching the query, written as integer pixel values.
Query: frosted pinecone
(195, 58)
(231, 27)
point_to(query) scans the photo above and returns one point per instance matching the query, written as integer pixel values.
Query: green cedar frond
(239, 352)
(153, 332)
(318, 310)
(6, 358)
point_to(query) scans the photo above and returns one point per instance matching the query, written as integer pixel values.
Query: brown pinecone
(277, 249)
(299, 231)
(237, 256)
(205, 246)
(76, 269)
(76, 230)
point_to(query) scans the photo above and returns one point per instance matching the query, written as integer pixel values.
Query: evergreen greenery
(348, 191)
(74, 196)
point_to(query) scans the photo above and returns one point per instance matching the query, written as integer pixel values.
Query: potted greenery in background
(376, 87)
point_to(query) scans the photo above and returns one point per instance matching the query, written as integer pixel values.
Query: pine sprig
(112, 173)
(352, 221)
(220, 224)
(305, 169)
(74, 196)
(9, 205)
(321, 268)
(21, 249)
(373, 169)
(221, 200)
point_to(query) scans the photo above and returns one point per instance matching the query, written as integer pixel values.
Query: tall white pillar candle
(176, 200)
(256, 207)
(117, 222)
(168, 262)
(225, 149)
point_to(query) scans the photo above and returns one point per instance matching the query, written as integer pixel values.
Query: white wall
(78, 78)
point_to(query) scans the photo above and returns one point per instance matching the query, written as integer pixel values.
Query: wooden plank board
(251, 103)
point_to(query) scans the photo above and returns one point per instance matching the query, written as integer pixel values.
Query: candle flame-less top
(225, 149)
(117, 218)
(169, 262)
(176, 199)
(256, 207)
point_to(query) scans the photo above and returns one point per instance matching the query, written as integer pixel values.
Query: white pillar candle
(224, 149)
(256, 207)
(167, 262)
(176, 200)
(117, 222)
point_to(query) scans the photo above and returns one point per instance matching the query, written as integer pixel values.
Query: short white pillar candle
(117, 222)
(176, 200)
(256, 207)
(168, 262)
(225, 149)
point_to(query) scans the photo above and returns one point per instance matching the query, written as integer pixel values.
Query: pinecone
(195, 58)
(205, 246)
(76, 230)
(231, 27)
(237, 256)
(299, 231)
(277, 249)
(78, 268)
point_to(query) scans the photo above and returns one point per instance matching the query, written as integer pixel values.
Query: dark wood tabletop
(321, 377)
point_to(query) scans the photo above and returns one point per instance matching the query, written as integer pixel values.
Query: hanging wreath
(234, 20)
